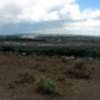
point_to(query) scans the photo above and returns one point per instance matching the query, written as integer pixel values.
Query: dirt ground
(12, 67)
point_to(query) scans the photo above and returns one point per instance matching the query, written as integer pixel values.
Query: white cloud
(88, 23)
(38, 10)
(17, 11)
(84, 27)
(90, 14)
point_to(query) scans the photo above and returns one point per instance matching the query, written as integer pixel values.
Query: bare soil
(13, 67)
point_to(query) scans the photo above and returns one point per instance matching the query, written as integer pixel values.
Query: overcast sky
(50, 16)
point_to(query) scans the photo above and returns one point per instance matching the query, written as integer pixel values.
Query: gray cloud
(9, 14)
(28, 27)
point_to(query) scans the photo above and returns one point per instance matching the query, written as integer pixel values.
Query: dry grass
(18, 76)
(81, 70)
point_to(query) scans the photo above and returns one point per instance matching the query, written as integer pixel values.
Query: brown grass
(18, 76)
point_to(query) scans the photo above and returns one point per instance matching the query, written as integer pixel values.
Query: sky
(75, 17)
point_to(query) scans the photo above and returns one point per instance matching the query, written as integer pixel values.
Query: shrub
(46, 86)
(80, 71)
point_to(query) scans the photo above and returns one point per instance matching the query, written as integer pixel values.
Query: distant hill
(50, 38)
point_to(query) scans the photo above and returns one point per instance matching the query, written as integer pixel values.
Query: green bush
(46, 86)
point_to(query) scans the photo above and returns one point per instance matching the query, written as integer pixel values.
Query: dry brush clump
(80, 70)
(24, 78)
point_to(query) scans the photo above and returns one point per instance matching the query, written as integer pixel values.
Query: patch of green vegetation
(51, 51)
(46, 86)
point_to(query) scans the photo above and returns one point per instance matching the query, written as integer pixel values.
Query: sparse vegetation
(22, 76)
(79, 70)
(56, 59)
(25, 78)
(51, 50)
(46, 86)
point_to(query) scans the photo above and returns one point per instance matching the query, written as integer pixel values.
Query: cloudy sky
(50, 16)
